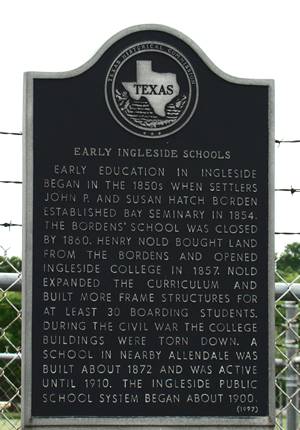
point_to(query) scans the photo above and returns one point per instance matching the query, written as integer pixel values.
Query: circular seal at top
(151, 89)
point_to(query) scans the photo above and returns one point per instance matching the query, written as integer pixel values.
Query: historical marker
(148, 241)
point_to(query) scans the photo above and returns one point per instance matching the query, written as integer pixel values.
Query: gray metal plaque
(148, 241)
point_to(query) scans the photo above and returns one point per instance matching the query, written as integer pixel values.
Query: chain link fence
(287, 342)
(287, 308)
(10, 345)
(287, 312)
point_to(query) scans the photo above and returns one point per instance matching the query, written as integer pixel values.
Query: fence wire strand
(11, 133)
(287, 340)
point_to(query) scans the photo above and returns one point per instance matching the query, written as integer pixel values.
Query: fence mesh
(10, 348)
(287, 310)
(287, 341)
(287, 345)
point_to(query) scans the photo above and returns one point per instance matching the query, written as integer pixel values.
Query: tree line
(287, 269)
